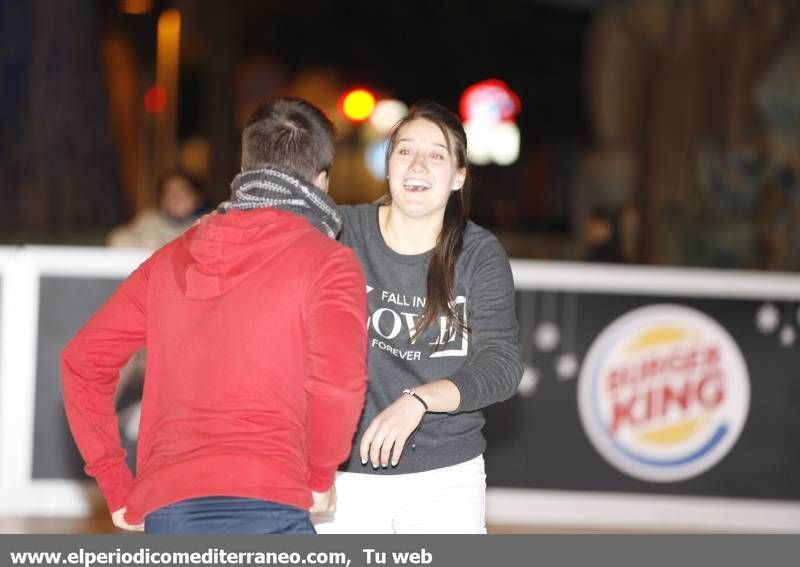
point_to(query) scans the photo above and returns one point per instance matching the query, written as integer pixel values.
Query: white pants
(449, 500)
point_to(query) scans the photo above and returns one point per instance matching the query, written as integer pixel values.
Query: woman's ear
(458, 179)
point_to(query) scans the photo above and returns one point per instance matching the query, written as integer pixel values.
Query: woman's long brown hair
(441, 269)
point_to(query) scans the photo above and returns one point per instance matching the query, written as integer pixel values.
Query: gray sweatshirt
(485, 365)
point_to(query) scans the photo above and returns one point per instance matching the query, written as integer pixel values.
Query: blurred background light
(155, 99)
(357, 105)
(492, 143)
(488, 109)
(135, 7)
(478, 143)
(386, 114)
(375, 157)
(169, 25)
(504, 143)
(489, 101)
(788, 336)
(168, 35)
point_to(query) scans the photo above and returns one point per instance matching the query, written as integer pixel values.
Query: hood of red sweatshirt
(223, 250)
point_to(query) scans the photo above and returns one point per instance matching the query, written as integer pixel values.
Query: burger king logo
(664, 393)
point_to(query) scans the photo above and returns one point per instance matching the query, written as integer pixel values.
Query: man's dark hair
(289, 134)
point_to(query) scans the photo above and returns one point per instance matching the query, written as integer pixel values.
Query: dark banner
(659, 395)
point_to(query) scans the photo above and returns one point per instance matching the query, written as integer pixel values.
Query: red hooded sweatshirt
(256, 346)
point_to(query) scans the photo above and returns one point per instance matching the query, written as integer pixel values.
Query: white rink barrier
(552, 459)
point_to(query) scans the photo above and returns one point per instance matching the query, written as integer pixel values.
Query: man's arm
(336, 363)
(90, 366)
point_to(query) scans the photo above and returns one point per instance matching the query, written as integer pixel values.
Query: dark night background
(672, 124)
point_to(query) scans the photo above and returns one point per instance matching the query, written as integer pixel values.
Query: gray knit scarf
(271, 187)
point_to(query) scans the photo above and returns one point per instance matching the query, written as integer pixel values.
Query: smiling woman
(442, 341)
(429, 199)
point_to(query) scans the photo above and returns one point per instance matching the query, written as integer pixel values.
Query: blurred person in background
(603, 241)
(180, 202)
(442, 341)
(256, 372)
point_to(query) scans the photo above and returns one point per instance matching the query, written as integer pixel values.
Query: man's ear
(321, 181)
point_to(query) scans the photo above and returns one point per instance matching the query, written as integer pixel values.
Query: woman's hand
(386, 436)
(384, 439)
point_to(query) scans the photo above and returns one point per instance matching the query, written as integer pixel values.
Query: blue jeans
(228, 515)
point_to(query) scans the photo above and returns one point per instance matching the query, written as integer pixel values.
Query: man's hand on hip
(118, 517)
(324, 501)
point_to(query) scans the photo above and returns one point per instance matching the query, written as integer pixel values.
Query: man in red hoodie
(256, 344)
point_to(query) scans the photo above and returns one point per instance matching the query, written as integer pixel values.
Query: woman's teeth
(416, 185)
